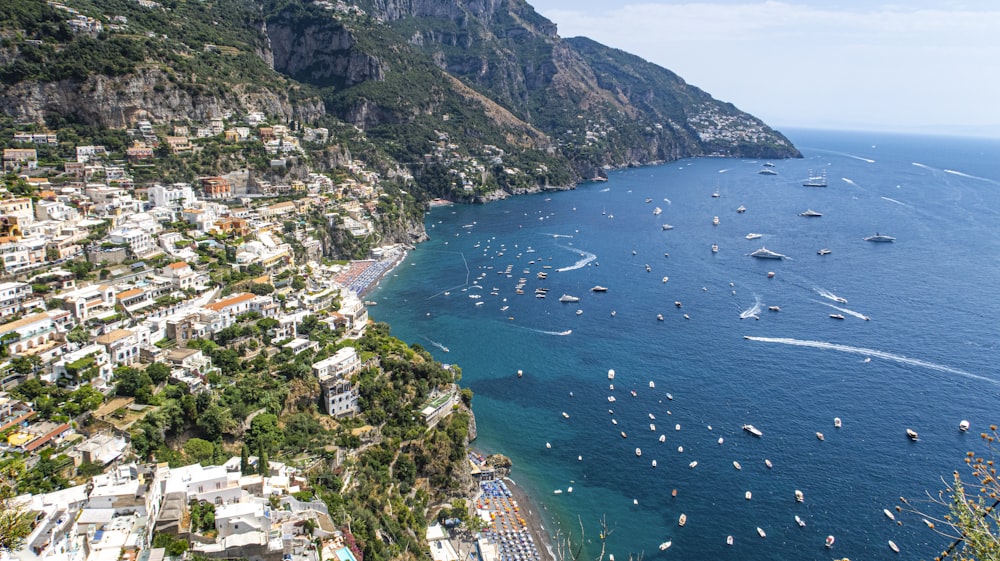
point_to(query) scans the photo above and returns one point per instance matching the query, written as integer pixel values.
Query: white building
(178, 195)
(138, 240)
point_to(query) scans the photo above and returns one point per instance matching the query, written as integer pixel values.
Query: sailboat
(815, 180)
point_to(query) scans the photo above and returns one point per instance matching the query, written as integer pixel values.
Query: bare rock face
(147, 94)
(320, 52)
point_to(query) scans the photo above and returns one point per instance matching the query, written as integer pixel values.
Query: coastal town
(122, 298)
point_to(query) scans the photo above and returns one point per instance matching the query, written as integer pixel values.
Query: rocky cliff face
(320, 53)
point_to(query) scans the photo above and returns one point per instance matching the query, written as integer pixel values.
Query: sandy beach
(514, 529)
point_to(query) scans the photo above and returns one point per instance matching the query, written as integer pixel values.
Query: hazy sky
(912, 65)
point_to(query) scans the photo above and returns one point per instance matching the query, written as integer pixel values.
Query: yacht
(837, 316)
(737, 465)
(638, 452)
(741, 209)
(767, 171)
(815, 180)
(760, 532)
(753, 236)
(963, 426)
(668, 227)
(912, 434)
(888, 514)
(753, 430)
(568, 298)
(748, 495)
(729, 540)
(599, 288)
(764, 253)
(774, 308)
(820, 437)
(715, 248)
(799, 497)
(837, 422)
(811, 213)
(716, 194)
(657, 211)
(882, 238)
(893, 546)
(824, 251)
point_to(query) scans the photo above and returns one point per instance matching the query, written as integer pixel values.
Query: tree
(15, 519)
(158, 372)
(200, 450)
(130, 381)
(972, 522)
(264, 433)
(245, 459)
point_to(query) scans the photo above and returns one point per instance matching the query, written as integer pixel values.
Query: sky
(907, 66)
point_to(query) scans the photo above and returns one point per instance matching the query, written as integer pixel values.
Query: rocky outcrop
(320, 52)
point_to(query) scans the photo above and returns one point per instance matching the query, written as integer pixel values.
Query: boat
(829, 541)
(824, 251)
(774, 308)
(638, 452)
(611, 399)
(819, 436)
(741, 209)
(657, 211)
(673, 493)
(666, 280)
(693, 464)
(624, 435)
(963, 426)
(770, 274)
(579, 312)
(912, 434)
(748, 495)
(665, 545)
(810, 213)
(565, 415)
(682, 520)
(548, 445)
(716, 194)
(768, 463)
(888, 514)
(611, 374)
(893, 546)
(799, 521)
(880, 238)
(652, 427)
(648, 268)
(799, 497)
(663, 438)
(557, 492)
(677, 303)
(539, 295)
(715, 248)
(729, 540)
(599, 288)
(721, 440)
(737, 465)
(753, 430)
(677, 426)
(568, 298)
(659, 317)
(767, 171)
(654, 463)
(815, 180)
(760, 532)
(680, 450)
(569, 489)
(837, 316)
(715, 220)
(764, 253)
(649, 200)
(668, 227)
(670, 397)
(613, 313)
(753, 236)
(837, 422)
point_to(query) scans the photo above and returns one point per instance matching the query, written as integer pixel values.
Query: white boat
(836, 316)
(768, 463)
(837, 422)
(569, 489)
(888, 514)
(657, 211)
(693, 464)
(753, 236)
(668, 227)
(760, 532)
(799, 521)
(611, 399)
(829, 541)
(753, 430)
(741, 209)
(880, 238)
(670, 397)
(652, 384)
(767, 171)
(729, 540)
(666, 280)
(611, 374)
(824, 251)
(654, 463)
(638, 452)
(893, 546)
(810, 213)
(579, 312)
(716, 195)
(548, 445)
(663, 438)
(721, 440)
(677, 426)
(715, 220)
(682, 520)
(774, 308)
(764, 253)
(815, 180)
(557, 492)
(568, 298)
(799, 497)
(659, 317)
(748, 495)
(912, 434)
(565, 415)
(652, 427)
(737, 465)
(819, 436)
(623, 434)
(666, 545)
(599, 288)
(614, 421)
(715, 248)
(680, 450)
(963, 426)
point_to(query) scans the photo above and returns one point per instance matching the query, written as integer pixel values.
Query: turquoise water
(924, 360)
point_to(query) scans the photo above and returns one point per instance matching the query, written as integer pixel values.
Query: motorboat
(569, 298)
(880, 238)
(768, 463)
(721, 440)
(893, 546)
(693, 464)
(633, 393)
(657, 211)
(579, 312)
(716, 195)
(715, 220)
(737, 465)
(837, 422)
(565, 415)
(963, 426)
(774, 308)
(611, 374)
(548, 445)
(760, 532)
(682, 520)
(715, 248)
(829, 541)
(652, 427)
(767, 171)
(677, 426)
(638, 452)
(837, 316)
(741, 209)
(668, 227)
(648, 268)
(623, 434)
(611, 399)
(819, 436)
(654, 463)
(753, 430)
(599, 288)
(810, 213)
(770, 274)
(824, 251)
(799, 497)
(673, 493)
(666, 279)
(666, 545)
(677, 303)
(800, 522)
(748, 495)
(764, 253)
(670, 397)
(663, 438)
(912, 434)
(729, 540)
(659, 317)
(753, 236)
(888, 514)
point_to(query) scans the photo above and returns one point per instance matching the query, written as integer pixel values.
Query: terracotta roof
(178, 265)
(130, 293)
(116, 335)
(231, 301)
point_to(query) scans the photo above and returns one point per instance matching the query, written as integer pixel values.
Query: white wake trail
(900, 203)
(587, 257)
(870, 352)
(967, 176)
(847, 311)
(752, 311)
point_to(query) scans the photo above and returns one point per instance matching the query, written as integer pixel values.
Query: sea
(884, 336)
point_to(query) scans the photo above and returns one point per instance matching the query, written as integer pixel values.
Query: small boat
(760, 532)
(799, 497)
(663, 438)
(837, 422)
(770, 274)
(837, 316)
(623, 434)
(680, 450)
(652, 384)
(715, 221)
(654, 463)
(677, 426)
(741, 209)
(659, 317)
(599, 288)
(657, 211)
(748, 495)
(820, 437)
(753, 430)
(648, 268)
(893, 546)
(715, 248)
(638, 452)
(557, 492)
(767, 171)
(880, 238)
(768, 463)
(729, 540)
(673, 493)
(829, 541)
(565, 415)
(810, 213)
(548, 445)
(613, 313)
(579, 312)
(721, 440)
(569, 489)
(670, 397)
(666, 545)
(824, 251)
(633, 393)
(912, 434)
(677, 303)
(611, 374)
(774, 308)
(520, 373)
(753, 236)
(569, 298)
(737, 465)
(614, 421)
(716, 195)
(611, 399)
(652, 427)
(693, 464)
(799, 521)
(668, 227)
(665, 279)
(888, 514)
(963, 426)
(687, 316)
(682, 520)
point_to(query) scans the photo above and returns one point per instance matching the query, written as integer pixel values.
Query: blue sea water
(925, 359)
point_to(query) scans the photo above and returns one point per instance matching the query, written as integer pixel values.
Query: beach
(514, 530)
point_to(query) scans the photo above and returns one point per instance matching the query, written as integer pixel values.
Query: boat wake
(558, 235)
(752, 311)
(829, 295)
(545, 332)
(587, 258)
(924, 166)
(438, 345)
(848, 181)
(858, 315)
(605, 190)
(900, 203)
(871, 353)
(967, 176)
